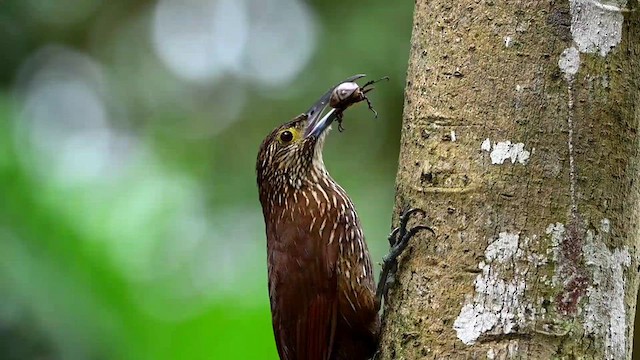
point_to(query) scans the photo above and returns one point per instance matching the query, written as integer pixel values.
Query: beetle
(349, 93)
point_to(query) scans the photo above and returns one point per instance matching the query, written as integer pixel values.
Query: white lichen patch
(502, 249)
(557, 232)
(507, 41)
(505, 150)
(596, 26)
(498, 305)
(605, 311)
(569, 63)
(486, 145)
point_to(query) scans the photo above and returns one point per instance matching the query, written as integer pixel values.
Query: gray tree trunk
(520, 140)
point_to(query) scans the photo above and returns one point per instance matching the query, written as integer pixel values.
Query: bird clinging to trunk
(324, 302)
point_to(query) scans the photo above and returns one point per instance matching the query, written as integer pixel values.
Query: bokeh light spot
(282, 40)
(65, 117)
(199, 40)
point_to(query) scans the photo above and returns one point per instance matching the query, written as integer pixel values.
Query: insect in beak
(349, 93)
(339, 98)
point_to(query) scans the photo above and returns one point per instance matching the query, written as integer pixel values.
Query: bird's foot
(398, 241)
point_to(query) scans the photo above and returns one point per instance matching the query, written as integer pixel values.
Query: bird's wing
(303, 288)
(355, 274)
(356, 296)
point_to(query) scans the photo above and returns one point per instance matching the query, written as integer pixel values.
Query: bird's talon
(398, 241)
(393, 237)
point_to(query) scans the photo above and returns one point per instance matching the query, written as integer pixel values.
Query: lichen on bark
(520, 140)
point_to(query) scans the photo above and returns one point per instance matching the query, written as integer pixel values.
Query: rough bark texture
(520, 140)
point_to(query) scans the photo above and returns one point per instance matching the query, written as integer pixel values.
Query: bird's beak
(316, 123)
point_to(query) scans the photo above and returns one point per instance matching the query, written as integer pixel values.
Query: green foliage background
(94, 269)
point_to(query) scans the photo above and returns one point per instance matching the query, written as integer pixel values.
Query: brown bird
(324, 301)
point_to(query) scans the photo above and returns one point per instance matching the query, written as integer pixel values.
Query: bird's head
(292, 153)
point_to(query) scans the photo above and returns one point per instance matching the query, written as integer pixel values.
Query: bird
(324, 300)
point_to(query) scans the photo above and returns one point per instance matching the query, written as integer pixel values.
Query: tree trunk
(520, 140)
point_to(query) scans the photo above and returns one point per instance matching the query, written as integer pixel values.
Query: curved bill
(317, 124)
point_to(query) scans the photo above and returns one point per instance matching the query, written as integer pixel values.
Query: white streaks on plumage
(346, 295)
(313, 223)
(324, 194)
(315, 196)
(324, 223)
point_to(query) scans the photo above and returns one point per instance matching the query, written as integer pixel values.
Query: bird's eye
(286, 136)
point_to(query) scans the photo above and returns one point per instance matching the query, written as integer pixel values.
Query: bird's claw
(398, 241)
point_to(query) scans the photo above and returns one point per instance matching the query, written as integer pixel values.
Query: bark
(520, 140)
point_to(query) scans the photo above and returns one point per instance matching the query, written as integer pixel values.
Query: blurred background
(129, 221)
